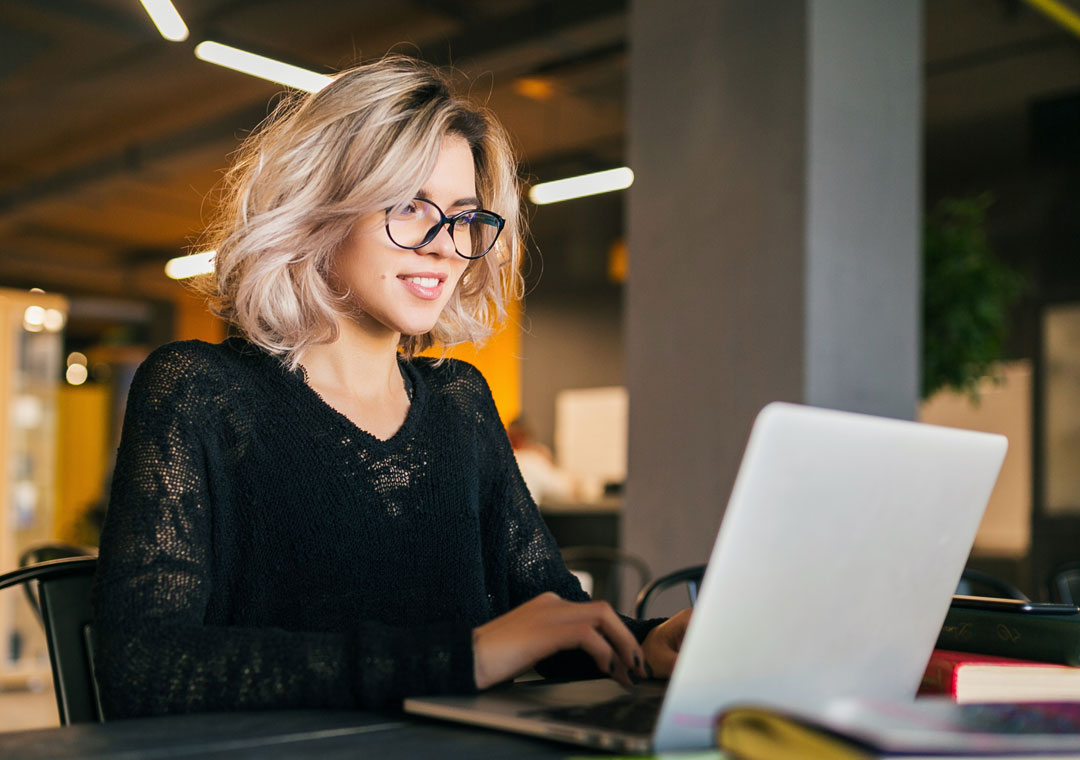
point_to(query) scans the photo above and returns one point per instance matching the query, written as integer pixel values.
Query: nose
(442, 244)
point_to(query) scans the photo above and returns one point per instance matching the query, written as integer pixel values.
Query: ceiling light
(54, 320)
(76, 374)
(1059, 12)
(260, 66)
(536, 88)
(578, 187)
(183, 267)
(166, 19)
(34, 318)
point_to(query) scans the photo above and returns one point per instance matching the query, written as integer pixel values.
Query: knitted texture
(261, 551)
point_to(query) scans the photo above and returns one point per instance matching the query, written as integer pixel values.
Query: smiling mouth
(428, 286)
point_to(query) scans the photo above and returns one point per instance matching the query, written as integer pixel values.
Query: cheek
(459, 271)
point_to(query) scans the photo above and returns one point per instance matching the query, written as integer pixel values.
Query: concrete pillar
(773, 234)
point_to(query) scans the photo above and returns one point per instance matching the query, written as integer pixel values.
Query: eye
(464, 220)
(404, 212)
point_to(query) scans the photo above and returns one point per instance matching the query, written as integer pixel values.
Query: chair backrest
(609, 570)
(43, 553)
(1064, 584)
(690, 577)
(978, 583)
(66, 614)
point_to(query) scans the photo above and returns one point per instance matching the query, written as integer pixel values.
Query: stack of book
(919, 730)
(1009, 669)
(968, 677)
(999, 651)
(1023, 631)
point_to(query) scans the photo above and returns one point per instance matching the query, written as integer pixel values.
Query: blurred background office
(861, 204)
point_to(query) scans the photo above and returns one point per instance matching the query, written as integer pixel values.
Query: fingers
(513, 642)
(622, 641)
(603, 654)
(626, 659)
(662, 661)
(595, 628)
(663, 643)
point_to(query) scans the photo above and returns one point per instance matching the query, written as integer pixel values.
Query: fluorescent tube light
(166, 19)
(1059, 12)
(260, 66)
(183, 267)
(579, 187)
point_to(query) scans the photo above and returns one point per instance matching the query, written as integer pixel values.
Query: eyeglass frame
(445, 220)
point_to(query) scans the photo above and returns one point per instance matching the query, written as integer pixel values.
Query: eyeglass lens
(417, 223)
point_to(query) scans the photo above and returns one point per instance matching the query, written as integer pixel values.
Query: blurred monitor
(590, 435)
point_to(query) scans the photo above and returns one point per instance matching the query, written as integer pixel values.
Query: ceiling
(112, 137)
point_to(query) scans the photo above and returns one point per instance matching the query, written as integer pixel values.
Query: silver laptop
(835, 563)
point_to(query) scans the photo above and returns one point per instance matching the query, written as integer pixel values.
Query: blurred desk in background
(594, 523)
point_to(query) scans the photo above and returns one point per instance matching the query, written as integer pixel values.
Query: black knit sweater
(261, 551)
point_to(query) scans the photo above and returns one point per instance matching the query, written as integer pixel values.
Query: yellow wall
(194, 320)
(500, 362)
(81, 457)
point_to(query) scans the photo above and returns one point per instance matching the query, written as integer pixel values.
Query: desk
(276, 734)
(583, 523)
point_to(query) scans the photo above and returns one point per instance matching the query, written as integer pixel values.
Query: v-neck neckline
(410, 375)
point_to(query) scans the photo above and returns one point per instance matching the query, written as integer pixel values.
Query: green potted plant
(967, 296)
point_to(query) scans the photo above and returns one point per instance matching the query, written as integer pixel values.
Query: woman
(311, 515)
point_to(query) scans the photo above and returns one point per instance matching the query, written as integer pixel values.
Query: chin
(411, 329)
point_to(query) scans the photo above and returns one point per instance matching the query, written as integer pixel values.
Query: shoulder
(458, 385)
(189, 370)
(187, 361)
(181, 356)
(451, 376)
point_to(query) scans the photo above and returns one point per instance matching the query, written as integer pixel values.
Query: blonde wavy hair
(321, 162)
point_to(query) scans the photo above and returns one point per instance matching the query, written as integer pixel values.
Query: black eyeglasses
(416, 223)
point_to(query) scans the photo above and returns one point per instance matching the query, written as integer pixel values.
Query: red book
(968, 677)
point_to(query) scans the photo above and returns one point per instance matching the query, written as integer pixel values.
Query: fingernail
(637, 660)
(611, 667)
(648, 669)
(633, 680)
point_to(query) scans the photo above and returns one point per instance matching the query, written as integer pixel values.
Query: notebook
(837, 557)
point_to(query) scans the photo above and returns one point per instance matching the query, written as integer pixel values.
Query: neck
(361, 362)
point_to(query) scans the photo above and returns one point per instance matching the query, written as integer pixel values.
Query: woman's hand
(663, 642)
(546, 624)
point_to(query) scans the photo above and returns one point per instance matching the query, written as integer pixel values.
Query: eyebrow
(471, 201)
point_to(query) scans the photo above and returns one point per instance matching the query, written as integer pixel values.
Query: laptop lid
(834, 566)
(836, 560)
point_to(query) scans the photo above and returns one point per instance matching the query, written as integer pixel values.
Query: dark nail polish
(611, 667)
(648, 669)
(637, 661)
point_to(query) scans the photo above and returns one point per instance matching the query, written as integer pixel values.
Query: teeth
(425, 282)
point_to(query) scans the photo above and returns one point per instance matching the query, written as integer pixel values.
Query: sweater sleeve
(532, 558)
(155, 653)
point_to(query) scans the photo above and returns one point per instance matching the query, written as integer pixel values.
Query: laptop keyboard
(632, 714)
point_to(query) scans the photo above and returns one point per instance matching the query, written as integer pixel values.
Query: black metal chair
(43, 553)
(611, 570)
(1064, 585)
(687, 576)
(63, 591)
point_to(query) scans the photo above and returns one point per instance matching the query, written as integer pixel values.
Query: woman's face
(404, 291)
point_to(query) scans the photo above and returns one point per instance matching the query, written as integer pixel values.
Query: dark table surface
(276, 734)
